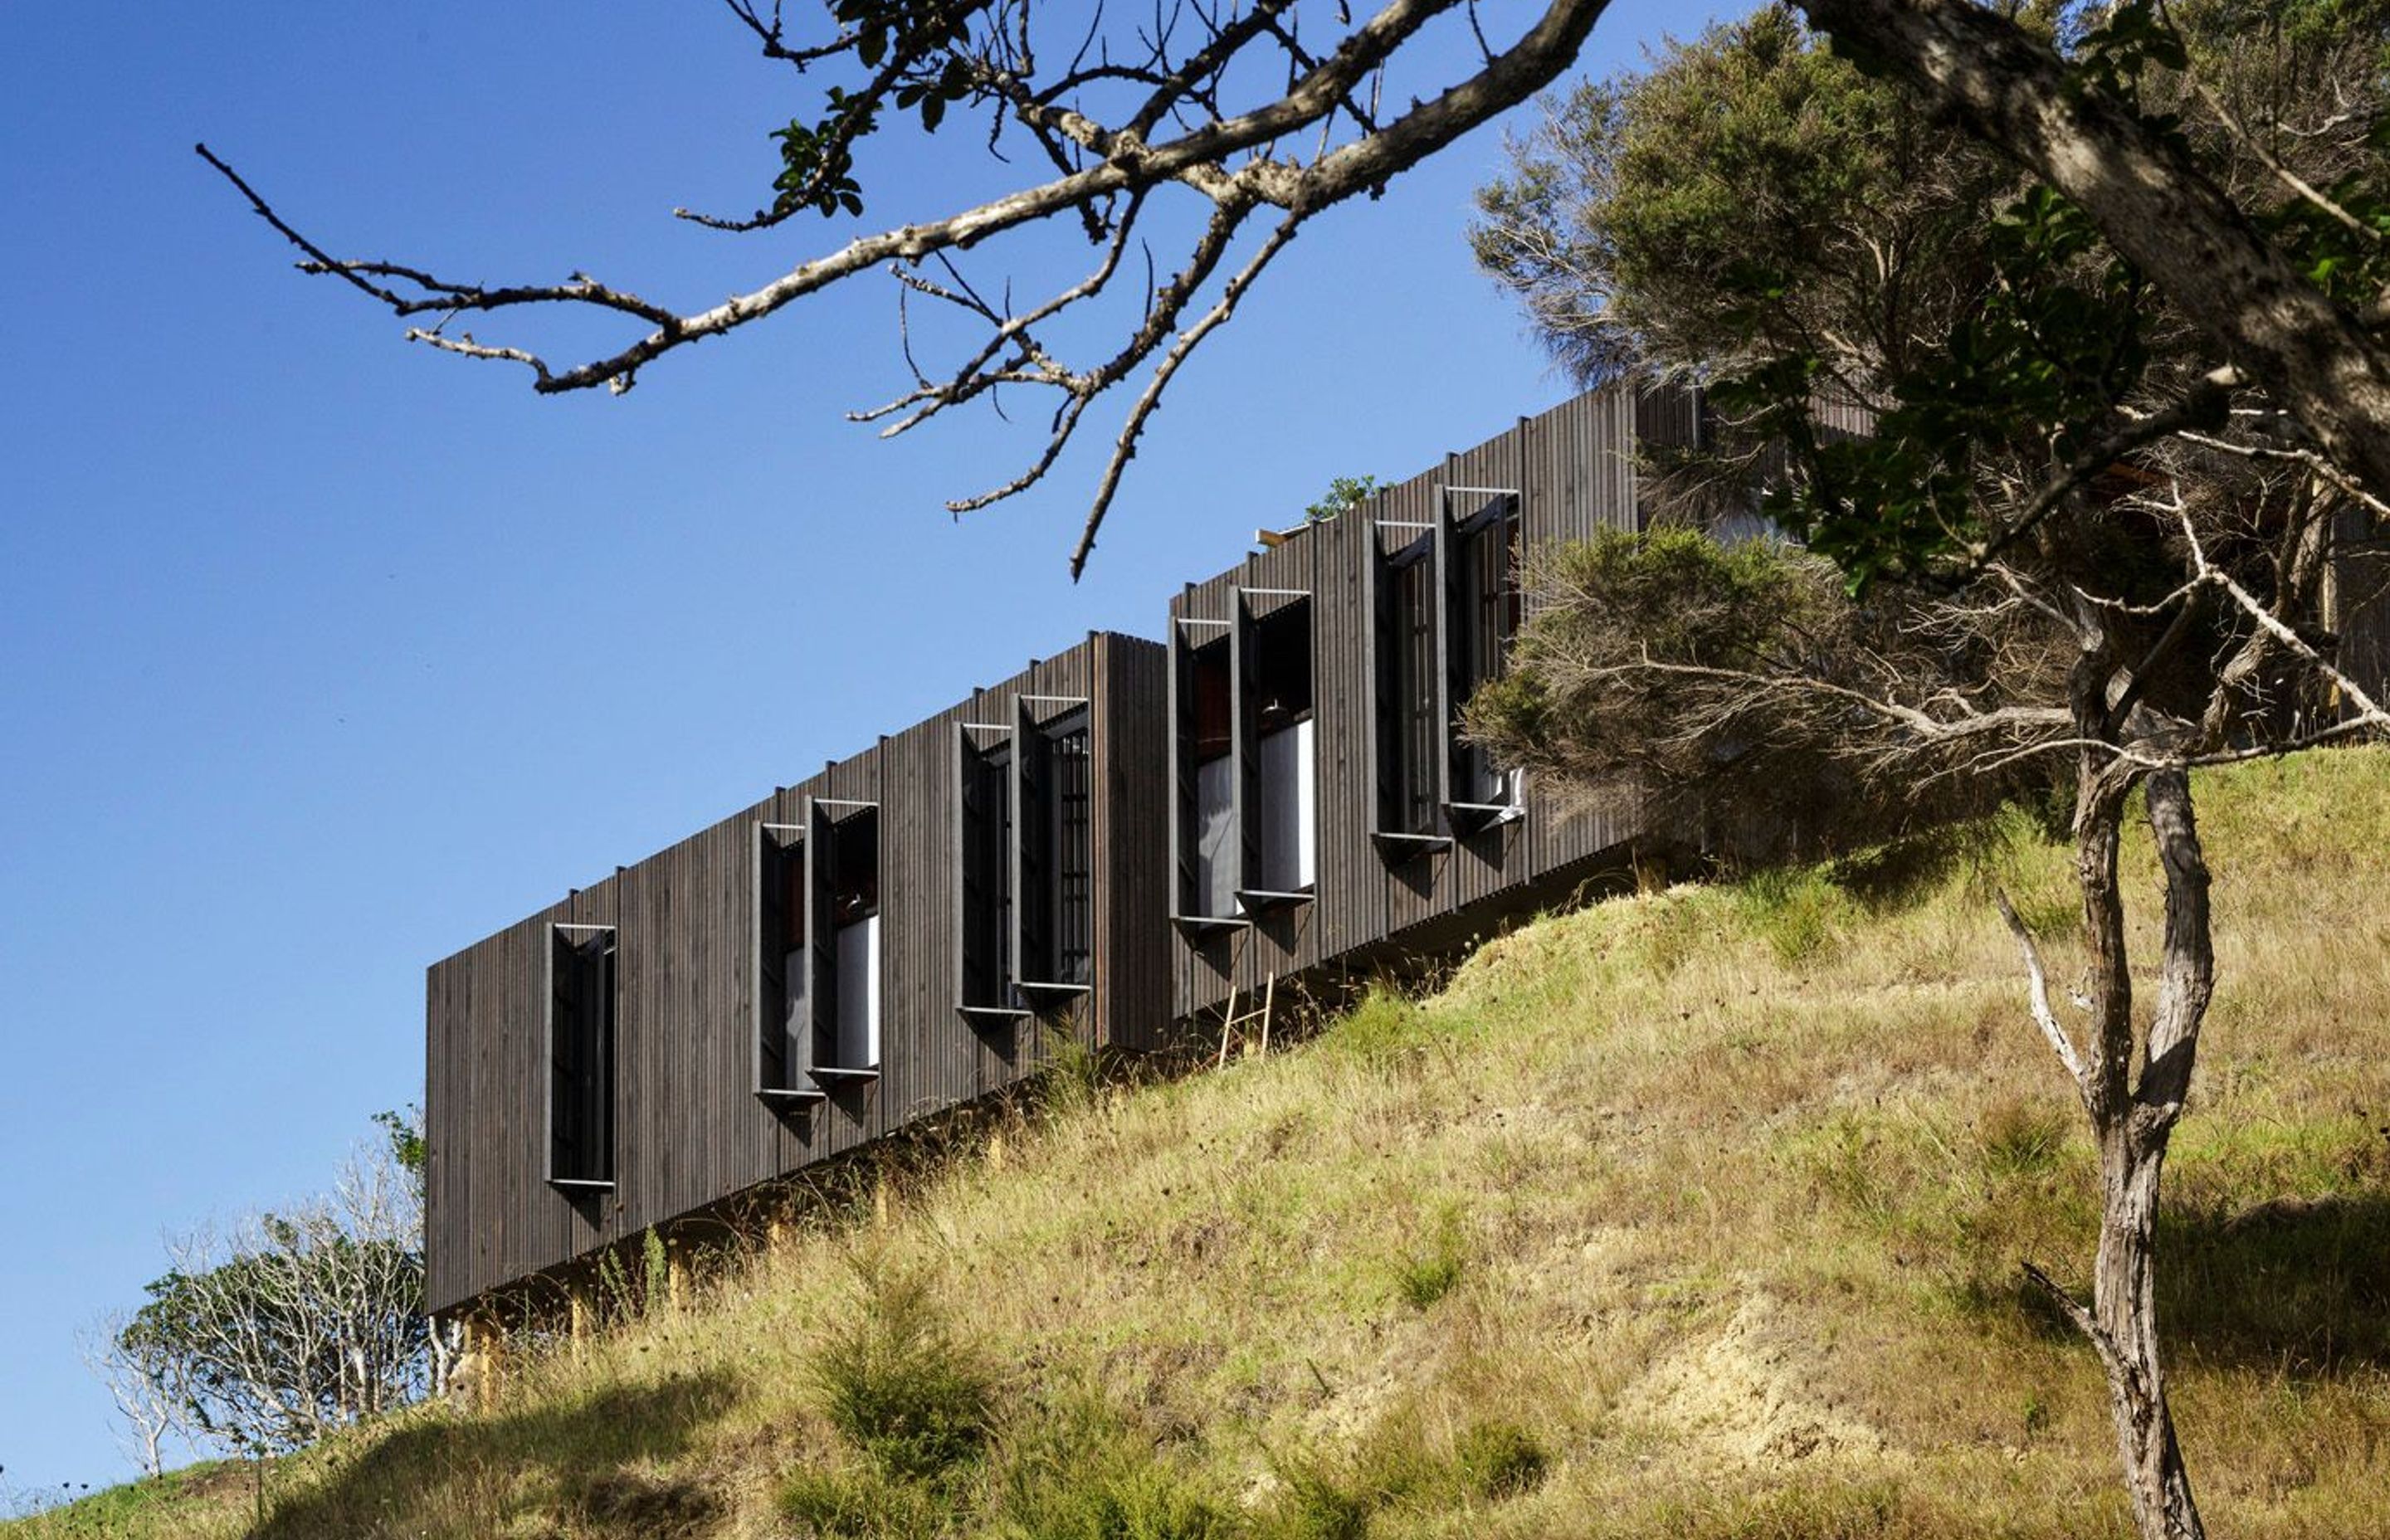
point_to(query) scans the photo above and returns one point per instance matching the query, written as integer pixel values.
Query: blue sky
(322, 656)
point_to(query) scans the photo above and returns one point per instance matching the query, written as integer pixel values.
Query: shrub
(1424, 1278)
(1383, 1030)
(2019, 1137)
(1081, 1471)
(1499, 1460)
(858, 1505)
(1792, 909)
(1136, 1499)
(1312, 1504)
(896, 1384)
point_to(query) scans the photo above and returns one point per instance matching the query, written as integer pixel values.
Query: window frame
(1461, 537)
(1041, 721)
(824, 859)
(778, 851)
(1410, 722)
(1250, 656)
(985, 751)
(602, 1049)
(1186, 911)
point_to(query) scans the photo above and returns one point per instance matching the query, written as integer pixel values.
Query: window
(1245, 804)
(843, 937)
(1203, 826)
(1056, 877)
(1276, 752)
(580, 1056)
(985, 879)
(1409, 706)
(1482, 622)
(783, 1030)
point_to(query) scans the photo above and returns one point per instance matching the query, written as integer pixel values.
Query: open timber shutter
(771, 940)
(984, 875)
(581, 1047)
(564, 1046)
(1032, 850)
(1383, 705)
(1070, 785)
(821, 933)
(1184, 794)
(1447, 655)
(1244, 730)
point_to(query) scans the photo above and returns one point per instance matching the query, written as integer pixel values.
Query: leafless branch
(1105, 172)
(2044, 1015)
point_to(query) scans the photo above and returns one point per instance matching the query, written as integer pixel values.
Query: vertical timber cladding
(690, 1127)
(1573, 471)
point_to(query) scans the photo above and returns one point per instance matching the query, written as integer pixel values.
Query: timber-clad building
(1115, 840)
(851, 954)
(1131, 840)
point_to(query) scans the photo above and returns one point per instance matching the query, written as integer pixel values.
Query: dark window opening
(1409, 710)
(581, 1054)
(1209, 686)
(784, 1032)
(1276, 756)
(1203, 826)
(986, 874)
(842, 931)
(1058, 877)
(1281, 642)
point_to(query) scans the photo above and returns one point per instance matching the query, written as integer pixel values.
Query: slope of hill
(1691, 1214)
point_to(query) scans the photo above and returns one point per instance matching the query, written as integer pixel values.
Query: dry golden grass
(1698, 1214)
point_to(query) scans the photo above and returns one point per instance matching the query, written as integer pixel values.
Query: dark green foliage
(1727, 683)
(1077, 1470)
(1499, 1460)
(1735, 202)
(1395, 1469)
(862, 1503)
(1312, 1504)
(1344, 494)
(897, 1384)
(405, 1132)
(909, 48)
(1426, 1276)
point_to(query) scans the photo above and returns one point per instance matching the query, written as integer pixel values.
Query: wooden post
(675, 1274)
(996, 1152)
(576, 1304)
(880, 1200)
(489, 1340)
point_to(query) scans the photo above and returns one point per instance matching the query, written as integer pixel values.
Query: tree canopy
(2082, 516)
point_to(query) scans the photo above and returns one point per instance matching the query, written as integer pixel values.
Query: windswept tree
(2048, 523)
(144, 1383)
(265, 1335)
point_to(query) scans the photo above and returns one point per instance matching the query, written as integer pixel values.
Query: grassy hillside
(1693, 1215)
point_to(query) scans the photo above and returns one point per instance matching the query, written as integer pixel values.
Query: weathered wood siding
(1574, 472)
(689, 1130)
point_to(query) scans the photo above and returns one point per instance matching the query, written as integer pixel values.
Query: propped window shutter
(821, 935)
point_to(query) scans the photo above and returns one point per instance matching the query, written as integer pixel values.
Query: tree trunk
(2133, 1117)
(2124, 1308)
